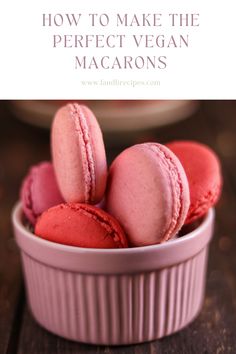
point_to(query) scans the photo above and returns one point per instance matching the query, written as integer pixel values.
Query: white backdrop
(31, 68)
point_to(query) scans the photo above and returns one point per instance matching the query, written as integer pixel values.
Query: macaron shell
(148, 193)
(78, 154)
(39, 191)
(203, 171)
(25, 196)
(80, 225)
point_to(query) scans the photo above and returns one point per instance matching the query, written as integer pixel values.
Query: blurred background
(25, 127)
(25, 140)
(25, 133)
(112, 115)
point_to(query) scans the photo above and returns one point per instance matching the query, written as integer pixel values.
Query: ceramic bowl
(114, 296)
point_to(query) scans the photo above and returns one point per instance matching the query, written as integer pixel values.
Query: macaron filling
(88, 164)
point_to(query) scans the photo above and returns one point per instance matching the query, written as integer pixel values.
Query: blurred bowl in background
(114, 116)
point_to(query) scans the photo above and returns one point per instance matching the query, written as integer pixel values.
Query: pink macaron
(39, 191)
(148, 193)
(78, 154)
(203, 171)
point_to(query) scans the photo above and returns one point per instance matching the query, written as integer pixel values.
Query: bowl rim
(112, 261)
(17, 221)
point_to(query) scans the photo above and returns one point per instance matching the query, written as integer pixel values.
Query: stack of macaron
(146, 197)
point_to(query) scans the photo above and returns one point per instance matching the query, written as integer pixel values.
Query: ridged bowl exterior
(115, 306)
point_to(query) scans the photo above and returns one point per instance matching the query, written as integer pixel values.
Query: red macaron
(80, 225)
(203, 171)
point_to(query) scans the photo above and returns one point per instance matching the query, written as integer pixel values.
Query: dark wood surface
(214, 331)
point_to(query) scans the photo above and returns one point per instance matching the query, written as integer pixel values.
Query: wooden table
(214, 331)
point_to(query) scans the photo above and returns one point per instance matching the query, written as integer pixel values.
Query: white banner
(103, 50)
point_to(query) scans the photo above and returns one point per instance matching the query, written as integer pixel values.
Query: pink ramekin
(118, 296)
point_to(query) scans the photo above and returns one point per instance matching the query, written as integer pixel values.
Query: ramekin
(115, 296)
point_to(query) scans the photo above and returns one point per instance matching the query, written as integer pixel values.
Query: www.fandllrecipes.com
(124, 83)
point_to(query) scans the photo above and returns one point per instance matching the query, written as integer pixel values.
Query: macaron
(80, 225)
(78, 154)
(39, 191)
(203, 171)
(148, 193)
